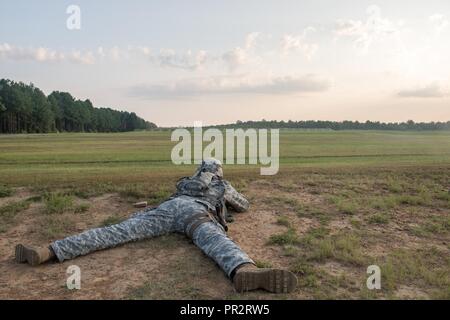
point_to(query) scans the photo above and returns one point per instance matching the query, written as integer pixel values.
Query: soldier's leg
(212, 239)
(214, 242)
(154, 223)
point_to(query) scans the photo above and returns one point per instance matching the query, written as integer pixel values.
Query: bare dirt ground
(164, 263)
(172, 267)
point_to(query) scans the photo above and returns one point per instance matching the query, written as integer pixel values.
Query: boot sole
(26, 254)
(272, 280)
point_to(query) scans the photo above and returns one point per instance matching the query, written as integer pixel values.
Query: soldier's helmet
(211, 165)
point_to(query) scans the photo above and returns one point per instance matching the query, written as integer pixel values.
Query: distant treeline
(25, 109)
(344, 125)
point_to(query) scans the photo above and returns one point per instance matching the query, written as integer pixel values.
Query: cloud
(439, 22)
(433, 90)
(82, 58)
(364, 33)
(235, 58)
(187, 61)
(298, 43)
(41, 54)
(250, 40)
(231, 85)
(240, 56)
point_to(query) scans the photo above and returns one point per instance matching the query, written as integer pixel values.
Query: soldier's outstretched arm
(235, 199)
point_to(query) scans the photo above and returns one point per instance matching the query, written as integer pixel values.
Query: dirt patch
(172, 267)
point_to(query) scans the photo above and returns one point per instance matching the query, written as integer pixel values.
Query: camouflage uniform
(198, 209)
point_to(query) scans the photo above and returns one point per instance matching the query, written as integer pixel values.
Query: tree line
(344, 125)
(26, 109)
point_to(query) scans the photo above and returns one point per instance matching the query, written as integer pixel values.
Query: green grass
(425, 267)
(80, 159)
(263, 264)
(111, 220)
(344, 206)
(54, 227)
(10, 210)
(81, 208)
(5, 191)
(435, 225)
(284, 221)
(286, 238)
(379, 218)
(56, 203)
(159, 195)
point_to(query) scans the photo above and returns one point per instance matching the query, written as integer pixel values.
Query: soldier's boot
(249, 277)
(34, 256)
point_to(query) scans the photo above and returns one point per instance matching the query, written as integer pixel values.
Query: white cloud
(232, 85)
(250, 40)
(433, 90)
(439, 22)
(364, 33)
(101, 52)
(235, 58)
(115, 54)
(40, 54)
(241, 56)
(298, 43)
(82, 58)
(187, 61)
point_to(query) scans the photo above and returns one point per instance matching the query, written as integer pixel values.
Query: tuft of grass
(83, 194)
(9, 211)
(158, 196)
(37, 198)
(308, 211)
(379, 218)
(345, 206)
(394, 186)
(355, 223)
(111, 220)
(283, 201)
(314, 234)
(308, 274)
(5, 191)
(263, 264)
(422, 199)
(57, 203)
(286, 238)
(426, 267)
(81, 208)
(383, 203)
(284, 221)
(345, 248)
(290, 251)
(132, 191)
(443, 195)
(54, 227)
(437, 225)
(94, 190)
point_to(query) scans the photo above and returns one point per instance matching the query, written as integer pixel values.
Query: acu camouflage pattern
(178, 214)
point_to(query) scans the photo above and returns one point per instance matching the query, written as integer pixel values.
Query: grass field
(79, 158)
(341, 201)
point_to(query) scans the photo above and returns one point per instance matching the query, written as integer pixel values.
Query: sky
(177, 62)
